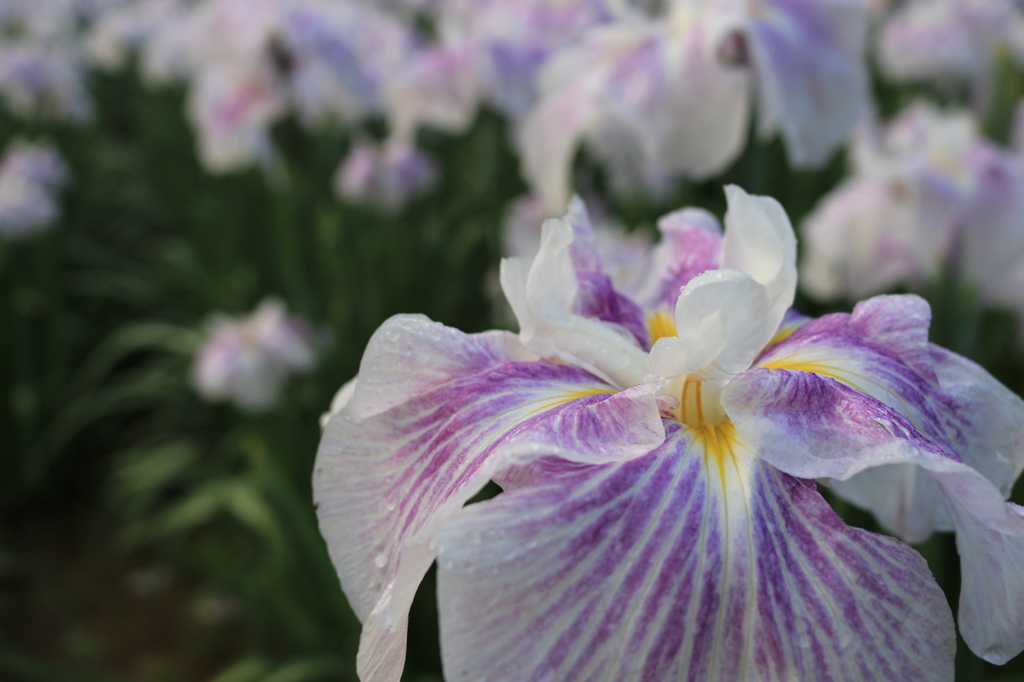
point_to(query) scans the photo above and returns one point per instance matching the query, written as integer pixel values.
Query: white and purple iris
(657, 454)
(249, 63)
(248, 360)
(386, 175)
(951, 43)
(929, 196)
(31, 175)
(42, 73)
(673, 92)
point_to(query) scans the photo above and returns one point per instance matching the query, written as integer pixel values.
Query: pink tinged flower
(222, 48)
(436, 87)
(678, 89)
(248, 360)
(386, 176)
(657, 520)
(951, 42)
(232, 109)
(865, 238)
(928, 195)
(30, 177)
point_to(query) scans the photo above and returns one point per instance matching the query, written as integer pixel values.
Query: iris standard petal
(759, 240)
(568, 312)
(724, 319)
(696, 562)
(381, 481)
(691, 240)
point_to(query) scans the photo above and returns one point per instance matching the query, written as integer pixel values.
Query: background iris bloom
(930, 197)
(675, 91)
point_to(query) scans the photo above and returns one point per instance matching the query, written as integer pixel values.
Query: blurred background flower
(30, 177)
(930, 201)
(952, 43)
(247, 360)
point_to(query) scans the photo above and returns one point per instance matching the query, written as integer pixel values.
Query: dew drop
(381, 560)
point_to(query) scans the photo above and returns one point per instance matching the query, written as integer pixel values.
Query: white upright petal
(724, 319)
(760, 242)
(543, 293)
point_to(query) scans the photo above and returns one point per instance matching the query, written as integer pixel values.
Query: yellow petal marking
(562, 398)
(660, 325)
(808, 366)
(718, 441)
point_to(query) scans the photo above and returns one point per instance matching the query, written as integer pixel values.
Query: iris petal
(812, 81)
(760, 242)
(814, 426)
(383, 480)
(696, 562)
(690, 243)
(568, 309)
(882, 350)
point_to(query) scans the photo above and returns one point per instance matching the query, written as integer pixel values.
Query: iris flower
(674, 92)
(31, 175)
(386, 175)
(659, 517)
(928, 195)
(247, 360)
(952, 42)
